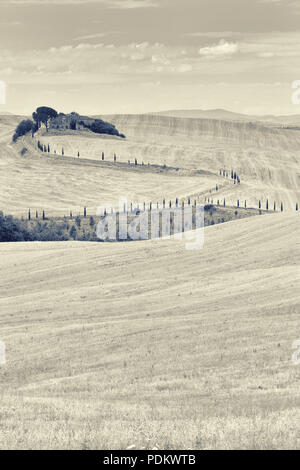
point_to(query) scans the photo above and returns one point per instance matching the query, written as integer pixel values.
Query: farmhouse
(75, 121)
(70, 121)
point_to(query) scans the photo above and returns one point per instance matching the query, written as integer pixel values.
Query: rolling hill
(223, 114)
(58, 185)
(266, 159)
(173, 348)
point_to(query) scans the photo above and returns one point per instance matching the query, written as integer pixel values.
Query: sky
(135, 56)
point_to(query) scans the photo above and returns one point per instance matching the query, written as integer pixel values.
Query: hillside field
(147, 344)
(57, 185)
(266, 159)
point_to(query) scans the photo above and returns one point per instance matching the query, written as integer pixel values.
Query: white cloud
(95, 36)
(222, 49)
(96, 62)
(214, 34)
(276, 44)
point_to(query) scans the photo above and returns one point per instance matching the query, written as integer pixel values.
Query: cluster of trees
(24, 128)
(12, 230)
(43, 148)
(274, 205)
(16, 230)
(101, 127)
(233, 175)
(42, 114)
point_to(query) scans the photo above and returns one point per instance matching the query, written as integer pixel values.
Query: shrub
(23, 128)
(23, 151)
(101, 127)
(11, 230)
(73, 232)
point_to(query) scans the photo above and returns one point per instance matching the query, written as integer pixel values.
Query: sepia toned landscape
(145, 343)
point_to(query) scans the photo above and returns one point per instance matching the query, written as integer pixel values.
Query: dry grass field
(266, 158)
(149, 256)
(59, 185)
(148, 344)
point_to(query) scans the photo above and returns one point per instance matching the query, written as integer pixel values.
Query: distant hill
(223, 114)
